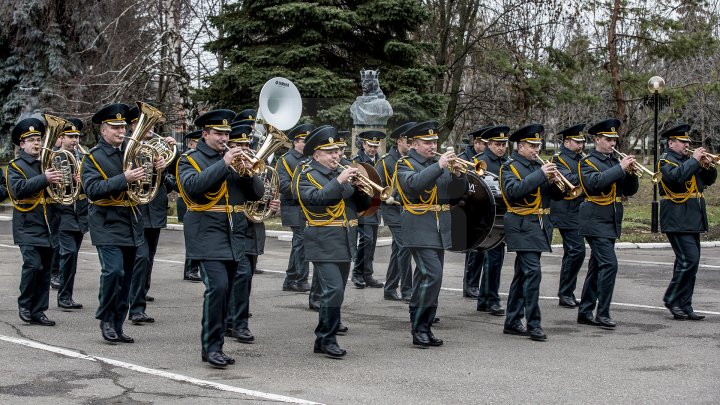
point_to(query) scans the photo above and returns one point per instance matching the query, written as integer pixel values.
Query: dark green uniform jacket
(682, 208)
(255, 239)
(362, 157)
(421, 183)
(154, 214)
(26, 185)
(204, 179)
(493, 161)
(526, 191)
(386, 169)
(319, 191)
(112, 220)
(564, 213)
(604, 182)
(290, 214)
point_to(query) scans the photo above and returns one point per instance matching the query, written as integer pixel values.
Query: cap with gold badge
(424, 131)
(322, 138)
(112, 114)
(342, 138)
(529, 133)
(27, 127)
(478, 133)
(372, 137)
(574, 133)
(400, 131)
(247, 114)
(240, 133)
(680, 132)
(74, 126)
(607, 128)
(498, 133)
(300, 131)
(218, 120)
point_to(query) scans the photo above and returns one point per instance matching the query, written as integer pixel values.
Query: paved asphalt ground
(649, 358)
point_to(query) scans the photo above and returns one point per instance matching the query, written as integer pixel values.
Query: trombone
(708, 160)
(478, 168)
(561, 182)
(637, 169)
(368, 186)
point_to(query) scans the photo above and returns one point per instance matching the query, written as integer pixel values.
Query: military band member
(564, 214)
(330, 204)
(215, 225)
(116, 228)
(191, 269)
(26, 185)
(473, 259)
(683, 216)
(73, 222)
(604, 180)
(54, 240)
(528, 231)
(399, 271)
(426, 187)
(496, 139)
(367, 225)
(297, 273)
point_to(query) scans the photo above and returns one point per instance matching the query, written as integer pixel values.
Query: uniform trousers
(427, 281)
(239, 296)
(367, 239)
(35, 278)
(687, 260)
(490, 280)
(298, 269)
(332, 278)
(217, 275)
(143, 270)
(55, 266)
(399, 271)
(572, 261)
(524, 294)
(116, 271)
(234, 318)
(70, 242)
(600, 280)
(474, 261)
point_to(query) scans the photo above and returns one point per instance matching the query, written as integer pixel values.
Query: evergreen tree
(321, 46)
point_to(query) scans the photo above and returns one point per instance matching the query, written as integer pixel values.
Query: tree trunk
(614, 70)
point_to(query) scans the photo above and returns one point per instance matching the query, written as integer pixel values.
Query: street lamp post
(656, 85)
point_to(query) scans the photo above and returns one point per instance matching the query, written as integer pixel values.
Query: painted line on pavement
(158, 373)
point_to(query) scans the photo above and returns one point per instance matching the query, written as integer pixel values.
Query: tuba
(68, 190)
(143, 154)
(280, 109)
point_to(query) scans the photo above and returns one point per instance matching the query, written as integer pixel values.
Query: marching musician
(73, 222)
(367, 225)
(116, 228)
(496, 139)
(191, 269)
(399, 271)
(527, 191)
(330, 204)
(26, 185)
(564, 214)
(154, 218)
(215, 225)
(297, 273)
(425, 187)
(473, 259)
(685, 175)
(604, 180)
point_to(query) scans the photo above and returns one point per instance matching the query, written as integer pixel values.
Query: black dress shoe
(471, 292)
(141, 317)
(314, 306)
(123, 338)
(55, 281)
(373, 283)
(228, 359)
(244, 336)
(215, 359)
(42, 320)
(359, 283)
(342, 330)
(585, 319)
(677, 312)
(406, 298)
(605, 322)
(393, 296)
(332, 350)
(517, 329)
(256, 271)
(421, 339)
(482, 308)
(69, 304)
(24, 314)
(538, 334)
(300, 287)
(693, 316)
(496, 310)
(436, 320)
(108, 331)
(149, 298)
(433, 340)
(192, 276)
(567, 302)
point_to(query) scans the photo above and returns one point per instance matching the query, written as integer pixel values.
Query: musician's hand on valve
(274, 205)
(445, 159)
(76, 177)
(698, 153)
(627, 161)
(346, 174)
(230, 155)
(53, 176)
(160, 164)
(134, 174)
(170, 141)
(549, 168)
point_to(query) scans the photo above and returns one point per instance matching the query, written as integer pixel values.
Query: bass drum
(477, 218)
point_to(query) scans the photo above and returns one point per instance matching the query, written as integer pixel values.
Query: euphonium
(637, 169)
(561, 182)
(259, 211)
(142, 154)
(68, 190)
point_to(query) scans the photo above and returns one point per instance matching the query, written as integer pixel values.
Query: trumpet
(368, 186)
(258, 166)
(708, 160)
(478, 168)
(637, 169)
(561, 182)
